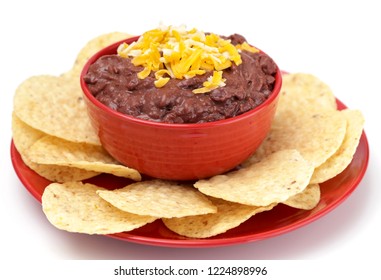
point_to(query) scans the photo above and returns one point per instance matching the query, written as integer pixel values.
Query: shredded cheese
(172, 52)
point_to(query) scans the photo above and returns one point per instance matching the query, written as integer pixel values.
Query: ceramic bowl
(179, 151)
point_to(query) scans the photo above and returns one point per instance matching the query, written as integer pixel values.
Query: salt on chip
(307, 199)
(52, 150)
(55, 106)
(159, 198)
(302, 91)
(344, 155)
(92, 47)
(316, 135)
(24, 137)
(229, 215)
(75, 207)
(274, 179)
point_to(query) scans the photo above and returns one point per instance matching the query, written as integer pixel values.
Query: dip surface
(113, 81)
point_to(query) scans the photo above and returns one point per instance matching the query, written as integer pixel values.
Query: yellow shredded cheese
(161, 82)
(172, 52)
(245, 46)
(211, 83)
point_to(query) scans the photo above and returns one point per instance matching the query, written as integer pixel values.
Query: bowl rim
(110, 48)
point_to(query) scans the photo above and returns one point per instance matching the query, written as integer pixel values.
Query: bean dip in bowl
(181, 104)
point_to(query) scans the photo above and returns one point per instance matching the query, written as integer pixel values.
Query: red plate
(280, 220)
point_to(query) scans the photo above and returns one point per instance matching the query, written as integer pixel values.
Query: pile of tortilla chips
(309, 143)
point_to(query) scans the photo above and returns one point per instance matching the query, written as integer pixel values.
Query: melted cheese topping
(177, 53)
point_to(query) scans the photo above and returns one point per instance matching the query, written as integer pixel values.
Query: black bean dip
(113, 81)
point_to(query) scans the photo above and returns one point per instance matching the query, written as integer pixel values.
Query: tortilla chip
(344, 155)
(24, 137)
(55, 106)
(52, 150)
(229, 215)
(317, 136)
(92, 47)
(157, 198)
(272, 180)
(75, 207)
(301, 91)
(307, 199)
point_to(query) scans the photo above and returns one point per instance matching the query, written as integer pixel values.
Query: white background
(338, 42)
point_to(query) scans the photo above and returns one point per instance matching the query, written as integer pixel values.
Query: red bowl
(178, 151)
